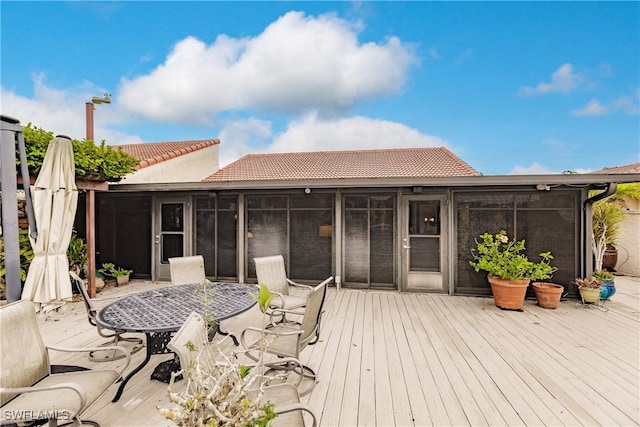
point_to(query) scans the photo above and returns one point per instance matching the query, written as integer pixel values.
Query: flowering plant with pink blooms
(501, 257)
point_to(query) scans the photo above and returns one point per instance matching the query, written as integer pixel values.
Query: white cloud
(464, 56)
(356, 133)
(627, 104)
(593, 108)
(533, 169)
(236, 136)
(564, 79)
(298, 63)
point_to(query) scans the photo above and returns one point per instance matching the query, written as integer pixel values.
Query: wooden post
(91, 242)
(90, 215)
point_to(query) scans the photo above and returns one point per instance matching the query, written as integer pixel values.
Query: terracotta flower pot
(548, 294)
(508, 294)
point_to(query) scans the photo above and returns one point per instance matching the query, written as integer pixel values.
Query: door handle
(157, 239)
(406, 247)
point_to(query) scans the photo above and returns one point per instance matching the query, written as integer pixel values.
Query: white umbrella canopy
(55, 199)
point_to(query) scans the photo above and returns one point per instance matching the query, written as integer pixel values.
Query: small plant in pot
(589, 289)
(608, 287)
(509, 270)
(120, 274)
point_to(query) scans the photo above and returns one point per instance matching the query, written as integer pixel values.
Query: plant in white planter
(120, 274)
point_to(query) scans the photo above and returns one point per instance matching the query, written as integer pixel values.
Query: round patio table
(159, 313)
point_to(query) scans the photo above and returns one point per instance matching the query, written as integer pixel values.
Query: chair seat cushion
(94, 384)
(290, 302)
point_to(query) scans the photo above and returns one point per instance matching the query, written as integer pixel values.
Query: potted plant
(509, 270)
(120, 274)
(607, 287)
(589, 289)
(606, 217)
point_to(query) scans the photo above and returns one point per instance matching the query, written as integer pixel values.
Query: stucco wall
(191, 167)
(628, 242)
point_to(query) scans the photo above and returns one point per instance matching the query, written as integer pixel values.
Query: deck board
(402, 359)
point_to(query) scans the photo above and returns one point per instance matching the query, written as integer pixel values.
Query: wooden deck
(399, 359)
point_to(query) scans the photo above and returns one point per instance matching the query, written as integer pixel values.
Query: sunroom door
(172, 233)
(424, 243)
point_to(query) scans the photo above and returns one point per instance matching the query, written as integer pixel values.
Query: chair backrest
(270, 272)
(312, 313)
(195, 331)
(24, 359)
(187, 269)
(91, 310)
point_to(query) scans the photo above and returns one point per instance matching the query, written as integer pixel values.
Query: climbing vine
(101, 162)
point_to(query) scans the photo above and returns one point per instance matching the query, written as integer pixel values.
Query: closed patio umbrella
(55, 199)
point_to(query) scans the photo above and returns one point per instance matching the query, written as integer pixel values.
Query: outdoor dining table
(159, 313)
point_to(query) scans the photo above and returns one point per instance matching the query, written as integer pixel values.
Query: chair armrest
(278, 295)
(297, 407)
(300, 285)
(269, 332)
(259, 331)
(77, 388)
(282, 312)
(119, 348)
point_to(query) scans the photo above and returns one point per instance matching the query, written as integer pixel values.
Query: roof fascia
(462, 181)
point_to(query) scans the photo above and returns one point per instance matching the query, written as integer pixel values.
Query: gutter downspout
(587, 227)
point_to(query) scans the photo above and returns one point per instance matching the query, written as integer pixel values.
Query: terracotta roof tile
(156, 152)
(632, 168)
(397, 163)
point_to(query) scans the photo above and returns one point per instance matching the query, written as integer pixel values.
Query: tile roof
(156, 152)
(632, 168)
(398, 163)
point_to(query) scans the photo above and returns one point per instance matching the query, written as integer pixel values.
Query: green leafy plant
(100, 161)
(109, 269)
(501, 257)
(602, 275)
(77, 254)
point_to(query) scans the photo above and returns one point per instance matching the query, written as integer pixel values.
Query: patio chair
(187, 269)
(270, 272)
(29, 392)
(287, 340)
(192, 342)
(115, 337)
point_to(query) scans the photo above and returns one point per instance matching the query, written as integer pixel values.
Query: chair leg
(111, 355)
(306, 372)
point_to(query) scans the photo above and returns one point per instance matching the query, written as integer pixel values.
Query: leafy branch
(96, 161)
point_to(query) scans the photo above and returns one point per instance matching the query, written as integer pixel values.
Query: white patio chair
(187, 269)
(134, 344)
(287, 340)
(270, 272)
(28, 389)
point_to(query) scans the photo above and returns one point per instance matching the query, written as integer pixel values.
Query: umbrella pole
(26, 185)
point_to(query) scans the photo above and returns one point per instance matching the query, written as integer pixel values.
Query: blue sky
(509, 87)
